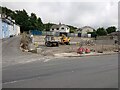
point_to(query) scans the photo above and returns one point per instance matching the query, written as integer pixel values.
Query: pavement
(74, 54)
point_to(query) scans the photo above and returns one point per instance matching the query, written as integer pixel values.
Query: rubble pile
(24, 42)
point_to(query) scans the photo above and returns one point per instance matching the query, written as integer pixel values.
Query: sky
(76, 13)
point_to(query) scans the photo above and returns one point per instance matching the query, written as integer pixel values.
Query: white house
(84, 31)
(1, 35)
(11, 30)
(60, 29)
(16, 29)
(7, 27)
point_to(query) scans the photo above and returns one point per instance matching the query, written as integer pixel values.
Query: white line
(46, 60)
(13, 82)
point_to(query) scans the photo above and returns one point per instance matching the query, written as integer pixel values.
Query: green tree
(22, 18)
(72, 31)
(33, 21)
(111, 29)
(7, 12)
(47, 26)
(40, 25)
(101, 32)
(72, 28)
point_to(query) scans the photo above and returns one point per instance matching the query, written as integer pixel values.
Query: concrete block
(39, 50)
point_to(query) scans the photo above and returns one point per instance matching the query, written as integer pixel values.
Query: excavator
(65, 40)
(50, 41)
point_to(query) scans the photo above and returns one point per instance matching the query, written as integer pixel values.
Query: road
(80, 72)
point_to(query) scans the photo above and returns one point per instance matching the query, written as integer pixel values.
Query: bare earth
(98, 45)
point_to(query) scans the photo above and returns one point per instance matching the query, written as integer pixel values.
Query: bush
(101, 32)
(111, 29)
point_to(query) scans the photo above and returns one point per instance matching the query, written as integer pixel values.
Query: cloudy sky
(79, 14)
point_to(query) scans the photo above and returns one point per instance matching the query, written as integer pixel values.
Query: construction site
(50, 45)
(59, 44)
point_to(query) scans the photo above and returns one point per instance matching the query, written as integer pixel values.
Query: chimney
(59, 23)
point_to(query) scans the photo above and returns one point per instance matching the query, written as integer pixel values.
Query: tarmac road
(84, 72)
(79, 72)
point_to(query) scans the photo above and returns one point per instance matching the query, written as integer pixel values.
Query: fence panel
(36, 32)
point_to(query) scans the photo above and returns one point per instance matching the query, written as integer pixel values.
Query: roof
(7, 21)
(59, 25)
(87, 27)
(79, 29)
(115, 33)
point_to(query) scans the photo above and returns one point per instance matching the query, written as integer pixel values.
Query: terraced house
(8, 27)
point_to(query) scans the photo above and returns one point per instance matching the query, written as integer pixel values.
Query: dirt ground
(73, 39)
(96, 45)
(46, 51)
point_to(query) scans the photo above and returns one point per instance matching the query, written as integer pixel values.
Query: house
(17, 29)
(60, 29)
(0, 28)
(84, 31)
(8, 27)
(5, 27)
(11, 28)
(79, 31)
(117, 33)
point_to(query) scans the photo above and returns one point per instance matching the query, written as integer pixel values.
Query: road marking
(10, 82)
(46, 60)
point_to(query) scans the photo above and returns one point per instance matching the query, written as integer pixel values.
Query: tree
(7, 12)
(33, 21)
(72, 28)
(47, 26)
(21, 18)
(101, 32)
(111, 29)
(72, 31)
(40, 25)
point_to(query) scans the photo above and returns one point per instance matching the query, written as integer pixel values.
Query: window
(57, 28)
(52, 29)
(88, 30)
(62, 28)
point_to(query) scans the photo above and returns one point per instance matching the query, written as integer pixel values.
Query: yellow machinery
(65, 40)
